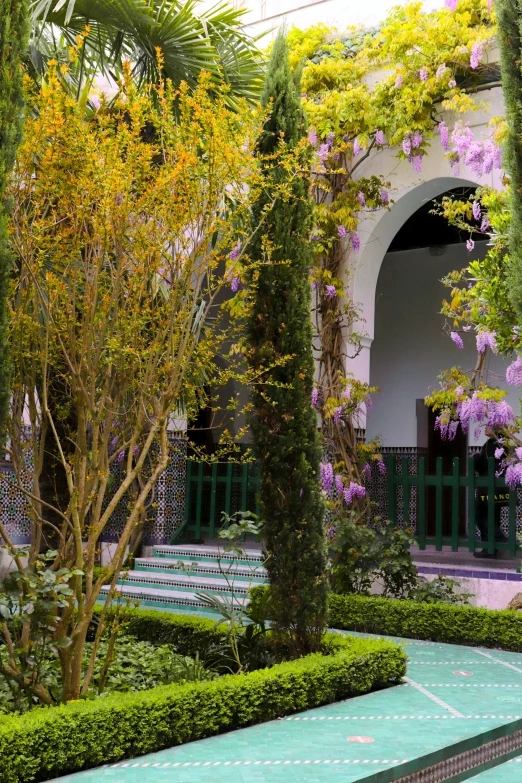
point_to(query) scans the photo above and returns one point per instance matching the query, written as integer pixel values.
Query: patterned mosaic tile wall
(167, 509)
(407, 507)
(14, 510)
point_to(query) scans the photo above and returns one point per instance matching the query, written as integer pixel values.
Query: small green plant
(245, 644)
(442, 589)
(363, 557)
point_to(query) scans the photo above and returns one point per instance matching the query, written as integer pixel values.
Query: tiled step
(254, 572)
(208, 553)
(183, 582)
(167, 599)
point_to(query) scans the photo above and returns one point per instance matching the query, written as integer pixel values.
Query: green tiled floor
(452, 694)
(510, 772)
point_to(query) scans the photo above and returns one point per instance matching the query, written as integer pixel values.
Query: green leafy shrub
(442, 589)
(131, 667)
(46, 743)
(434, 622)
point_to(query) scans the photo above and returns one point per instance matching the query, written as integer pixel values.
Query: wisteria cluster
(329, 480)
(514, 373)
(476, 412)
(482, 157)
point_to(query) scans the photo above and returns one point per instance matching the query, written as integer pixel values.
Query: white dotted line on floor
(403, 717)
(468, 685)
(254, 763)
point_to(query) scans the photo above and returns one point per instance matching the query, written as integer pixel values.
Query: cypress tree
(13, 39)
(509, 19)
(284, 423)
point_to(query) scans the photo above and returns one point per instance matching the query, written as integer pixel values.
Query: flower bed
(47, 743)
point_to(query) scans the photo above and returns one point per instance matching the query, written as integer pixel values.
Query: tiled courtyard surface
(510, 772)
(451, 695)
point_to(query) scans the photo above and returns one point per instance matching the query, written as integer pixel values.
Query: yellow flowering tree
(122, 229)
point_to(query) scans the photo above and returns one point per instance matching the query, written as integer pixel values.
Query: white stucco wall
(410, 347)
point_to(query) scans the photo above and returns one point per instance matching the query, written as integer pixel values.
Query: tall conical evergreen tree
(13, 40)
(509, 19)
(284, 423)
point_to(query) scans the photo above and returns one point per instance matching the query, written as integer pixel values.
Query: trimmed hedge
(437, 622)
(54, 741)
(187, 633)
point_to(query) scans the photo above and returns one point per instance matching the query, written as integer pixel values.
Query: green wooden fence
(213, 489)
(452, 518)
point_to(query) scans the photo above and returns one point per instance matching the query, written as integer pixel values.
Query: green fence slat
(199, 500)
(438, 505)
(421, 504)
(512, 522)
(491, 505)
(390, 472)
(471, 504)
(213, 493)
(228, 490)
(244, 488)
(455, 486)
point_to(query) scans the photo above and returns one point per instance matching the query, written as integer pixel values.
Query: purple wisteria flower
(327, 476)
(324, 151)
(385, 197)
(459, 391)
(485, 340)
(441, 70)
(406, 145)
(354, 491)
(470, 244)
(315, 397)
(484, 225)
(452, 429)
(312, 137)
(356, 146)
(444, 136)
(457, 339)
(399, 81)
(121, 456)
(451, 4)
(518, 452)
(356, 242)
(330, 138)
(236, 251)
(500, 414)
(452, 84)
(330, 291)
(514, 475)
(416, 139)
(380, 138)
(114, 443)
(361, 198)
(499, 452)
(442, 425)
(424, 74)
(381, 466)
(339, 484)
(136, 451)
(235, 285)
(369, 403)
(514, 373)
(417, 164)
(477, 212)
(476, 54)
(338, 412)
(347, 393)
(341, 230)
(366, 471)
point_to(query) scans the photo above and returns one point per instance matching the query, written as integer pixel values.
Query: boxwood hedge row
(54, 741)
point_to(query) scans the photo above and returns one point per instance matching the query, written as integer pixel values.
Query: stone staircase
(171, 579)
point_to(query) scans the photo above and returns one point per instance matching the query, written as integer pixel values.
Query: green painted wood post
(244, 487)
(392, 500)
(421, 504)
(512, 522)
(455, 486)
(438, 504)
(228, 490)
(213, 494)
(471, 504)
(199, 500)
(491, 505)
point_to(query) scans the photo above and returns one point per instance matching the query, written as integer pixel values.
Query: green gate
(446, 523)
